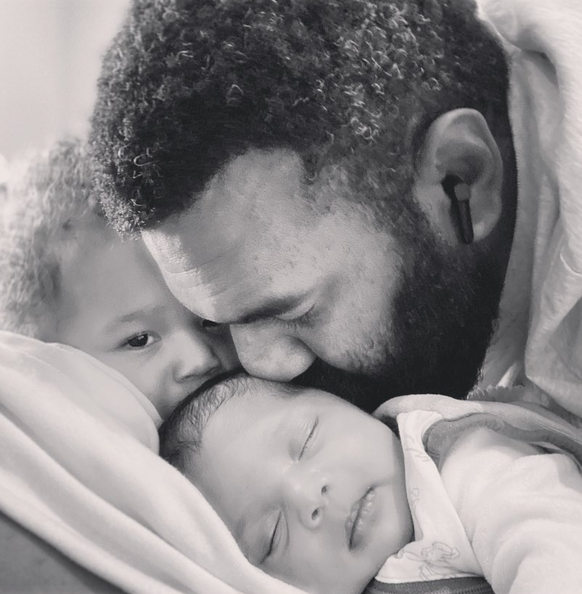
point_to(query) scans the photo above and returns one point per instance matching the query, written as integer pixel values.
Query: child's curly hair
(48, 196)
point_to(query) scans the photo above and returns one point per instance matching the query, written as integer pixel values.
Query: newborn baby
(324, 496)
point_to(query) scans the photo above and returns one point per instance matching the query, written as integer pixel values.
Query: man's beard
(437, 346)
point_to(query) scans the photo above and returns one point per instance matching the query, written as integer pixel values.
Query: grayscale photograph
(290, 297)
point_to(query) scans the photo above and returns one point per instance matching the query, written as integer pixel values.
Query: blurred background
(50, 53)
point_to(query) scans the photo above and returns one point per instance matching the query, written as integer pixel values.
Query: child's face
(311, 487)
(114, 304)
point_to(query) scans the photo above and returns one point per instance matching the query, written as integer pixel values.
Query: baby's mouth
(357, 520)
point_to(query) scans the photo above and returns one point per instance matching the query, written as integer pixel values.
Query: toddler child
(326, 497)
(68, 278)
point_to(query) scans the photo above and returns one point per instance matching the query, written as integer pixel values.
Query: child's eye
(139, 341)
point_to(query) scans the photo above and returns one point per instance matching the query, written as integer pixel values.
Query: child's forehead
(82, 237)
(113, 279)
(84, 247)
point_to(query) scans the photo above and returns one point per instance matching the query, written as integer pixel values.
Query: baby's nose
(307, 493)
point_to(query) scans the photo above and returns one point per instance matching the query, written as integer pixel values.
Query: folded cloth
(541, 310)
(79, 469)
(505, 503)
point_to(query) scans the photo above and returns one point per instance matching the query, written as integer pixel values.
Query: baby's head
(71, 279)
(311, 487)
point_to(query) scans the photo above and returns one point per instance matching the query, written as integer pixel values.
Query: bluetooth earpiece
(460, 194)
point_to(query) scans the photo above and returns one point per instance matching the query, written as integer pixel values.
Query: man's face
(311, 487)
(317, 293)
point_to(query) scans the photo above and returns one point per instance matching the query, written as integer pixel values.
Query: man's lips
(359, 517)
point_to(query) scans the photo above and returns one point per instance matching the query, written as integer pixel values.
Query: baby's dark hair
(182, 432)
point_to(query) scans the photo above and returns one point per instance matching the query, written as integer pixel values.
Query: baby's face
(114, 304)
(311, 487)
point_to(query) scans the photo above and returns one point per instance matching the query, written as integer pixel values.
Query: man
(337, 181)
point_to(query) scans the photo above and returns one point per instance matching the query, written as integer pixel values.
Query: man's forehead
(241, 240)
(187, 244)
(247, 173)
(201, 281)
(224, 280)
(258, 191)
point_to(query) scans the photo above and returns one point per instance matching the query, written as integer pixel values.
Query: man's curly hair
(187, 85)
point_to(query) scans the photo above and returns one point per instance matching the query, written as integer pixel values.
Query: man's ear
(459, 146)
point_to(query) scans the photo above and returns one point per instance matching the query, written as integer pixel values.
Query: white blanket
(541, 311)
(89, 482)
(79, 468)
(490, 506)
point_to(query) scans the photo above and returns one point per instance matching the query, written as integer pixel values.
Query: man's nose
(269, 353)
(306, 492)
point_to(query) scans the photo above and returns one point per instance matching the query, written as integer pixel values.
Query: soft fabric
(441, 548)
(461, 585)
(94, 488)
(539, 340)
(495, 489)
(79, 469)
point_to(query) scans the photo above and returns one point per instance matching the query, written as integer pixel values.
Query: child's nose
(195, 358)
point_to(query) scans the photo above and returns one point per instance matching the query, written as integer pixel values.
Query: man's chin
(417, 373)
